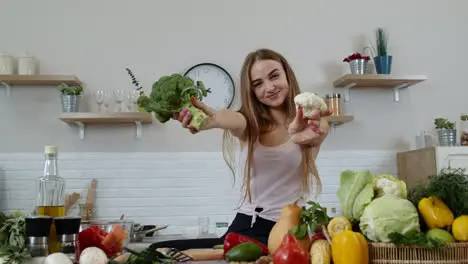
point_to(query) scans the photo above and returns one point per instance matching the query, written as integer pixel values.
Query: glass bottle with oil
(51, 193)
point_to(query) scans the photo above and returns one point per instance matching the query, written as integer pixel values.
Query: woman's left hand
(310, 131)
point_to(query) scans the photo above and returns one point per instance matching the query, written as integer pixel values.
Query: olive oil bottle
(50, 199)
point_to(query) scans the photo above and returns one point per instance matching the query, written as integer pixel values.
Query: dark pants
(241, 225)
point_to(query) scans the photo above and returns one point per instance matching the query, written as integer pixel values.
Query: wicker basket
(386, 253)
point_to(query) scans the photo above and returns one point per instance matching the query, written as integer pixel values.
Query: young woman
(277, 146)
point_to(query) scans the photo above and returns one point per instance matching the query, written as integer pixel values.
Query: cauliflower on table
(310, 102)
(171, 94)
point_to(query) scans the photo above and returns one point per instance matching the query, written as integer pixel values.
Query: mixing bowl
(108, 226)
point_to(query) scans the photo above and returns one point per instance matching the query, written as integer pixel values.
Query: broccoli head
(171, 94)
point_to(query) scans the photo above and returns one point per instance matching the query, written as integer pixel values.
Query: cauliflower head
(389, 185)
(310, 102)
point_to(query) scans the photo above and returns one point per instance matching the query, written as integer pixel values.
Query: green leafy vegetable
(171, 94)
(147, 256)
(389, 214)
(362, 200)
(311, 218)
(414, 238)
(13, 238)
(352, 183)
(450, 185)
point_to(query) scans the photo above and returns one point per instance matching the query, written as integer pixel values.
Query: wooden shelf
(84, 118)
(39, 79)
(8, 80)
(377, 81)
(338, 120)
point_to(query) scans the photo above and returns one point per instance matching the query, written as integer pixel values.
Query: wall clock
(218, 80)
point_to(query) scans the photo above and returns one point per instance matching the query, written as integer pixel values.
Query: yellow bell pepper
(350, 247)
(460, 228)
(435, 213)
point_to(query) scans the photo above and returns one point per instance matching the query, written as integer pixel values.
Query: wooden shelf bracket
(7, 88)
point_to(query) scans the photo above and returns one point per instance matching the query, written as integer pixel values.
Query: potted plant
(70, 96)
(357, 63)
(446, 132)
(382, 61)
(139, 88)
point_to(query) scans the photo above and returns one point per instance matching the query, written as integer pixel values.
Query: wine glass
(119, 97)
(99, 95)
(133, 100)
(107, 101)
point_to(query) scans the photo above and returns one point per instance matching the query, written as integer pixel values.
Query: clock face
(218, 81)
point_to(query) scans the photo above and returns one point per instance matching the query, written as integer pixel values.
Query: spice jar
(333, 100)
(464, 130)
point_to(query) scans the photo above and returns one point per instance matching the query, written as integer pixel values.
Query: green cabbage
(389, 214)
(388, 184)
(352, 184)
(362, 200)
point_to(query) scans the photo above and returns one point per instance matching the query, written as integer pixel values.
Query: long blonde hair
(260, 120)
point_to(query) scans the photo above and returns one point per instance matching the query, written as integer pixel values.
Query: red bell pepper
(233, 239)
(290, 252)
(96, 237)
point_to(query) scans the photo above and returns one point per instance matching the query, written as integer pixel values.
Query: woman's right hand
(184, 116)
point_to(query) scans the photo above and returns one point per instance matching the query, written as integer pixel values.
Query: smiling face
(269, 82)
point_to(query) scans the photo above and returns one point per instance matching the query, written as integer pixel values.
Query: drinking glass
(133, 100)
(107, 101)
(203, 225)
(119, 97)
(99, 95)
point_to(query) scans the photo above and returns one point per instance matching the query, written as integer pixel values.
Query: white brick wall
(163, 188)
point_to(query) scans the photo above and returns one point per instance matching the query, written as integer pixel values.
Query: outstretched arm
(232, 121)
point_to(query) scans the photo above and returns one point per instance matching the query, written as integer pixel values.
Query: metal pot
(70, 103)
(139, 233)
(358, 66)
(447, 137)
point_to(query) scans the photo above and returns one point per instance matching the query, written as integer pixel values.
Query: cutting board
(204, 254)
(200, 256)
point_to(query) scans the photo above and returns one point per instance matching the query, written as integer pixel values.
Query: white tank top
(276, 179)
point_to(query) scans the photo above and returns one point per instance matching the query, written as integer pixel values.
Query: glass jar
(333, 100)
(464, 130)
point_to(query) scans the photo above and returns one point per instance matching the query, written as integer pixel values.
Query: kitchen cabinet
(415, 166)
